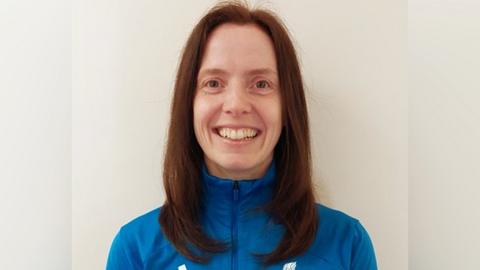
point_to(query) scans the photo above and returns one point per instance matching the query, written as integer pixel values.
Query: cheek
(202, 112)
(273, 115)
(197, 116)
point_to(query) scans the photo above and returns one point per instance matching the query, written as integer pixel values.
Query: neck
(256, 172)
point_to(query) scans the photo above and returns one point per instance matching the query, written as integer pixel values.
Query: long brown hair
(293, 203)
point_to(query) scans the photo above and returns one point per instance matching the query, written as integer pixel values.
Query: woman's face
(237, 105)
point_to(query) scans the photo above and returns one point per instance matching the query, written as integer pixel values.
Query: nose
(237, 101)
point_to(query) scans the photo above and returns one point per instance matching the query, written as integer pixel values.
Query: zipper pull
(236, 187)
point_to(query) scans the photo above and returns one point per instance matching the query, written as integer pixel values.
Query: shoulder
(136, 240)
(338, 231)
(333, 215)
(333, 219)
(143, 224)
(335, 222)
(144, 231)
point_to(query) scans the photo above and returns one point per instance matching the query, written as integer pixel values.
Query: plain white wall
(35, 118)
(444, 42)
(124, 61)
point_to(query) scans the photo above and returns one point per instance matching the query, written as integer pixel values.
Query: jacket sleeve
(119, 257)
(363, 254)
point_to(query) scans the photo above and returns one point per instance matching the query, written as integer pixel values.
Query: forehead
(234, 47)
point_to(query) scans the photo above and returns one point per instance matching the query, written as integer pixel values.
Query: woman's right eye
(213, 84)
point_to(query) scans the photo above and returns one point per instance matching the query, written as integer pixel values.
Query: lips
(237, 134)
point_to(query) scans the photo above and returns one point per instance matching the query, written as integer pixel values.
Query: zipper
(234, 228)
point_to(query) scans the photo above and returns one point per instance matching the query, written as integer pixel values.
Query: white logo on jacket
(290, 266)
(287, 266)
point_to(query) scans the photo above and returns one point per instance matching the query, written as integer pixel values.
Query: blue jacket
(341, 242)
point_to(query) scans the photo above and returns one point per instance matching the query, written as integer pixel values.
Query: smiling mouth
(241, 134)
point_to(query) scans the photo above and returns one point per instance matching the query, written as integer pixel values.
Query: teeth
(237, 134)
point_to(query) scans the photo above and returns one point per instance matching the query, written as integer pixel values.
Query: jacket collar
(219, 192)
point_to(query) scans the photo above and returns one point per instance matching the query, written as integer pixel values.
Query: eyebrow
(261, 71)
(219, 71)
(212, 71)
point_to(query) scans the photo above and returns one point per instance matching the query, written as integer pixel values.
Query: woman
(237, 171)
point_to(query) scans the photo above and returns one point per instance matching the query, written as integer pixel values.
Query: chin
(237, 165)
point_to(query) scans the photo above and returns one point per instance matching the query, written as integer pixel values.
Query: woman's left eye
(262, 84)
